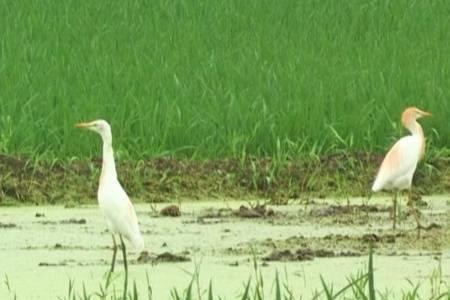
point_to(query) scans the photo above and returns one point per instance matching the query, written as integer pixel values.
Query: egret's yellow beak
(425, 114)
(83, 125)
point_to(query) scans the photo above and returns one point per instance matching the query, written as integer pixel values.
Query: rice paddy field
(263, 122)
(216, 79)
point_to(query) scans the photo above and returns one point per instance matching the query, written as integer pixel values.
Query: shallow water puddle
(48, 246)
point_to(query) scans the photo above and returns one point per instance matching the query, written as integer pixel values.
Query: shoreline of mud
(166, 179)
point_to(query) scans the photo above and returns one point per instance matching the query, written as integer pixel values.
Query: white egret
(399, 164)
(113, 200)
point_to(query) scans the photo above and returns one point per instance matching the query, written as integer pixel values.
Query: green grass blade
(210, 291)
(371, 275)
(277, 287)
(351, 284)
(245, 295)
(328, 292)
(135, 292)
(149, 287)
(189, 291)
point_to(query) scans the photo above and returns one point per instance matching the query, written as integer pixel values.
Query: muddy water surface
(42, 248)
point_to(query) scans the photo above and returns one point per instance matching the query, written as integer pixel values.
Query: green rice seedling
(149, 287)
(412, 294)
(246, 293)
(187, 294)
(356, 285)
(134, 296)
(210, 291)
(371, 275)
(70, 291)
(208, 79)
(277, 287)
(11, 292)
(85, 296)
(360, 286)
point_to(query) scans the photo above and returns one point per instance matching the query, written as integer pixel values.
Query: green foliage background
(211, 78)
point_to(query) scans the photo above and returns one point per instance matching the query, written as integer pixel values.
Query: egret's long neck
(108, 165)
(415, 128)
(417, 131)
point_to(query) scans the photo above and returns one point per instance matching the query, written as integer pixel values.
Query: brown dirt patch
(170, 211)
(146, 257)
(258, 211)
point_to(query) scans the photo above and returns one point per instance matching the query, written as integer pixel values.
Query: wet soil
(352, 230)
(305, 240)
(163, 179)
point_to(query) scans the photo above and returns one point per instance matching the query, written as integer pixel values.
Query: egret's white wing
(119, 213)
(400, 161)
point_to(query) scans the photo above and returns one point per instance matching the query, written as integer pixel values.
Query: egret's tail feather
(377, 185)
(138, 242)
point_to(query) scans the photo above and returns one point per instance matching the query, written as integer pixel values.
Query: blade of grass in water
(371, 275)
(210, 291)
(245, 295)
(277, 287)
(328, 291)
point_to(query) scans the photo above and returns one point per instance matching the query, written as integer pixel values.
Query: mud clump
(302, 254)
(73, 221)
(170, 211)
(46, 222)
(212, 213)
(385, 238)
(281, 255)
(324, 253)
(375, 238)
(7, 225)
(431, 226)
(63, 263)
(145, 257)
(333, 210)
(169, 257)
(258, 211)
(47, 264)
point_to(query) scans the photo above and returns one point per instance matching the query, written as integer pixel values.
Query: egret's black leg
(124, 252)
(414, 212)
(395, 209)
(114, 254)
